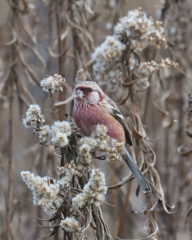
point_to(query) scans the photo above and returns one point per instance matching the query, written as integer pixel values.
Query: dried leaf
(69, 99)
(167, 121)
(11, 41)
(52, 233)
(185, 150)
(4, 81)
(35, 52)
(28, 29)
(88, 219)
(155, 229)
(160, 109)
(28, 68)
(56, 55)
(84, 31)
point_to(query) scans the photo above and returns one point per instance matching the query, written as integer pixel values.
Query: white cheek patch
(94, 97)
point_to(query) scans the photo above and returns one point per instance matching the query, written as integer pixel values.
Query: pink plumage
(88, 116)
(93, 107)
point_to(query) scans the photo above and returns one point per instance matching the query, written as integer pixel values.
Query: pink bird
(93, 107)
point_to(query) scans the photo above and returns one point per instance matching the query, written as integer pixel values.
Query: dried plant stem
(148, 96)
(115, 200)
(166, 160)
(61, 59)
(147, 102)
(56, 236)
(148, 194)
(62, 158)
(58, 22)
(168, 217)
(181, 172)
(124, 212)
(10, 164)
(40, 172)
(19, 221)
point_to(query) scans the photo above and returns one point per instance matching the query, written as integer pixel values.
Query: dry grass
(47, 37)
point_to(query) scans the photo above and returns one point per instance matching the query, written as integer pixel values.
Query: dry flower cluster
(99, 140)
(51, 194)
(93, 192)
(52, 84)
(131, 35)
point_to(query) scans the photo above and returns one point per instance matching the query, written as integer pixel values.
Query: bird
(92, 107)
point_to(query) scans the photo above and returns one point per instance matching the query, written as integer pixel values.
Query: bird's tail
(144, 185)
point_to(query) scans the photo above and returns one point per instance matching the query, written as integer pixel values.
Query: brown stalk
(147, 102)
(181, 168)
(148, 95)
(40, 172)
(58, 24)
(170, 218)
(61, 47)
(10, 164)
(124, 212)
(115, 200)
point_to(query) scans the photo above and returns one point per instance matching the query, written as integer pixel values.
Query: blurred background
(37, 39)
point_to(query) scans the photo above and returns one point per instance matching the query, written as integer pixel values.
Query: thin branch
(10, 164)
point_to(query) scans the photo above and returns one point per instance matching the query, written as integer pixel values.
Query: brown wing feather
(115, 112)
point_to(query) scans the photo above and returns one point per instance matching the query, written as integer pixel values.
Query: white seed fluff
(70, 225)
(48, 193)
(44, 194)
(45, 135)
(93, 192)
(60, 140)
(60, 133)
(141, 28)
(53, 84)
(63, 127)
(99, 140)
(135, 30)
(107, 62)
(34, 118)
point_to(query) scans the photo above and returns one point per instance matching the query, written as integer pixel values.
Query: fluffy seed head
(60, 133)
(63, 127)
(135, 30)
(52, 84)
(69, 170)
(106, 60)
(70, 225)
(45, 194)
(100, 133)
(93, 192)
(60, 140)
(34, 118)
(44, 135)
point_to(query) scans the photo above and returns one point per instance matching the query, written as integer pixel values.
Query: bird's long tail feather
(144, 185)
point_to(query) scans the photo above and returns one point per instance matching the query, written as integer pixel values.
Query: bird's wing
(115, 112)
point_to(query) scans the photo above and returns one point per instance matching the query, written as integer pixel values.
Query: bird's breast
(87, 117)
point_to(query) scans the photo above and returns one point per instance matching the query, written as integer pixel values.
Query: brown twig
(115, 200)
(124, 212)
(61, 46)
(10, 163)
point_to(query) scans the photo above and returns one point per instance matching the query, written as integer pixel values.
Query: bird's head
(89, 93)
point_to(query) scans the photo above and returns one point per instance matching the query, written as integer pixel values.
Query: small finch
(93, 107)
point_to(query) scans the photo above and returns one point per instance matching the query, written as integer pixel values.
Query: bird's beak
(79, 94)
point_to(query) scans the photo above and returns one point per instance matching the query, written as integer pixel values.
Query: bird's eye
(90, 90)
